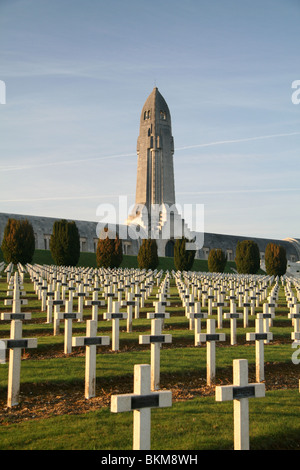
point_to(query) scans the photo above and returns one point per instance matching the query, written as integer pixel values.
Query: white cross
(95, 303)
(140, 402)
(210, 338)
(115, 316)
(220, 304)
(57, 302)
(156, 339)
(68, 316)
(259, 337)
(197, 316)
(129, 303)
(15, 344)
(90, 341)
(233, 316)
(240, 392)
(295, 316)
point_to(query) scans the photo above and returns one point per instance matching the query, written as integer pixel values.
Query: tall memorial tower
(155, 212)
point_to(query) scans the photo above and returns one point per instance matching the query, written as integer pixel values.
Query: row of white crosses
(16, 342)
(261, 335)
(143, 398)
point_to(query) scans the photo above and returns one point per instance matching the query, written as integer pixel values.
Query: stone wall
(42, 227)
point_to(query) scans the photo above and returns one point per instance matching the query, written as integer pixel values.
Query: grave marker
(90, 341)
(259, 337)
(210, 338)
(156, 339)
(15, 344)
(240, 392)
(140, 402)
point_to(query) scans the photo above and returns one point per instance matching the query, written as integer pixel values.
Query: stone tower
(154, 211)
(155, 149)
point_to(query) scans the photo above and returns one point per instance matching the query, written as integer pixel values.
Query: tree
(216, 261)
(65, 243)
(147, 256)
(109, 252)
(18, 242)
(247, 257)
(183, 259)
(118, 253)
(275, 260)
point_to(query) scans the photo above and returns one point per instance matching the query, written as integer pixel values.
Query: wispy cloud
(233, 141)
(108, 157)
(63, 162)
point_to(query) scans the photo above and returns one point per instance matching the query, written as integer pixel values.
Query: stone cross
(220, 304)
(240, 392)
(49, 303)
(109, 295)
(210, 338)
(95, 303)
(80, 294)
(129, 303)
(68, 316)
(140, 402)
(259, 337)
(156, 339)
(90, 341)
(57, 303)
(115, 316)
(15, 344)
(233, 316)
(246, 305)
(267, 319)
(295, 316)
(197, 316)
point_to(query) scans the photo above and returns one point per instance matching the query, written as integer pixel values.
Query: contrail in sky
(248, 139)
(108, 157)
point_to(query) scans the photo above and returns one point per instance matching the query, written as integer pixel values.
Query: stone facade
(42, 227)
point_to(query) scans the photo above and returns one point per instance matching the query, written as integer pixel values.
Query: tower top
(156, 110)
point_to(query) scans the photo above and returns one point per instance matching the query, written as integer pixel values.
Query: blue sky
(77, 74)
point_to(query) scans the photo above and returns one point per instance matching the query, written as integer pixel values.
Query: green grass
(200, 423)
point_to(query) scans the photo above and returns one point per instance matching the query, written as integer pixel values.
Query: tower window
(163, 115)
(147, 114)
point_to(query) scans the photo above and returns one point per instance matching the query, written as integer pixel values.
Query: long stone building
(154, 213)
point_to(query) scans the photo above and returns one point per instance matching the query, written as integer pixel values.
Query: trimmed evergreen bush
(247, 257)
(65, 243)
(275, 259)
(147, 255)
(109, 252)
(183, 259)
(216, 261)
(18, 242)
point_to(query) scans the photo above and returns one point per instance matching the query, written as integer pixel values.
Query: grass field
(54, 415)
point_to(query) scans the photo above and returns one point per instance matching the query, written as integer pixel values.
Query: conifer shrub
(216, 260)
(247, 257)
(65, 243)
(183, 258)
(275, 260)
(18, 242)
(109, 253)
(147, 256)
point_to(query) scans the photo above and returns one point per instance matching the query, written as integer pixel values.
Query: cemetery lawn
(54, 415)
(200, 424)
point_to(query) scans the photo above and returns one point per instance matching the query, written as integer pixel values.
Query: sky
(75, 75)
